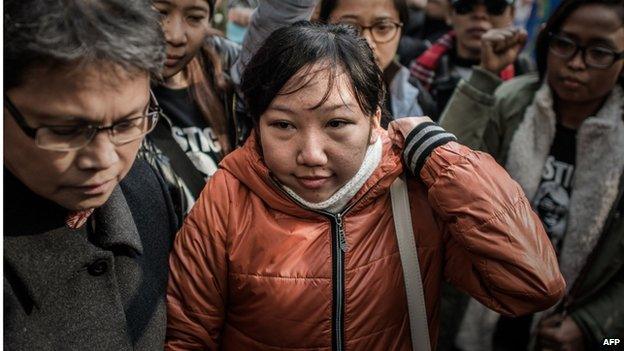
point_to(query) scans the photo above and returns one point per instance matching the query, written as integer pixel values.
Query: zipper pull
(341, 234)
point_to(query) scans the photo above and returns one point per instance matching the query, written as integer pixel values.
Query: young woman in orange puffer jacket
(292, 242)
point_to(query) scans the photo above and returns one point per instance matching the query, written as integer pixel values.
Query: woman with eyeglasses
(381, 22)
(560, 134)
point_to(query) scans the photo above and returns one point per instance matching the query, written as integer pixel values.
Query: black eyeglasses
(493, 8)
(594, 55)
(75, 137)
(382, 32)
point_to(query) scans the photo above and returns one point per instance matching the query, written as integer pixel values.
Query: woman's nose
(312, 151)
(174, 31)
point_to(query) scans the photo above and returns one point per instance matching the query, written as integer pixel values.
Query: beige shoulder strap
(411, 267)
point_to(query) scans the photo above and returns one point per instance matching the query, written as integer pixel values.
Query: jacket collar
(115, 225)
(247, 165)
(42, 257)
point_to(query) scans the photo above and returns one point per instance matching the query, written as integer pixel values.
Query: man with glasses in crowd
(452, 57)
(87, 229)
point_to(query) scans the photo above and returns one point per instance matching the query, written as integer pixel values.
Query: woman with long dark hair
(292, 243)
(203, 118)
(560, 134)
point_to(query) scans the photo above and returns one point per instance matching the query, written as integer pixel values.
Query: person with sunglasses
(453, 55)
(87, 228)
(560, 134)
(381, 23)
(426, 25)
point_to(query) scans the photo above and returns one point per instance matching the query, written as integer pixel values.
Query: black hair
(328, 6)
(79, 32)
(289, 49)
(556, 20)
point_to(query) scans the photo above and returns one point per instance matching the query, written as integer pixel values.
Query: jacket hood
(247, 165)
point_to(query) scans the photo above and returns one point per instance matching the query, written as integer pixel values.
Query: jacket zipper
(339, 247)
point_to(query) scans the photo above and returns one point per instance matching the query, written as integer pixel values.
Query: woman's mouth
(571, 83)
(172, 60)
(312, 183)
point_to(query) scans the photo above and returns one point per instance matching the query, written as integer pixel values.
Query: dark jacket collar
(41, 254)
(115, 225)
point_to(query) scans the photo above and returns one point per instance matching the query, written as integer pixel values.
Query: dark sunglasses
(493, 8)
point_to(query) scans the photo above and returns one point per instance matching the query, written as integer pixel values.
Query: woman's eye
(563, 43)
(196, 19)
(600, 53)
(281, 125)
(383, 27)
(336, 124)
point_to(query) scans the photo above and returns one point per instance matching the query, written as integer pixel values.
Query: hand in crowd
(557, 333)
(240, 15)
(400, 128)
(501, 47)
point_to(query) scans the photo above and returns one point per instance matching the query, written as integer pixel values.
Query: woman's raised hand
(400, 128)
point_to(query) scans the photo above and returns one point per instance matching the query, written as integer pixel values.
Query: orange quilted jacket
(252, 270)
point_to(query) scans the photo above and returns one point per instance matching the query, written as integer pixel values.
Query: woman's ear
(375, 125)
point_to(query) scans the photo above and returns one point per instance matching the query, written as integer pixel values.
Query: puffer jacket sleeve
(496, 249)
(197, 291)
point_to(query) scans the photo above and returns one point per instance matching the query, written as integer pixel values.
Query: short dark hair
(287, 50)
(554, 23)
(327, 6)
(62, 32)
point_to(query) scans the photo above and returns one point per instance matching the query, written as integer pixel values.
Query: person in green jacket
(560, 134)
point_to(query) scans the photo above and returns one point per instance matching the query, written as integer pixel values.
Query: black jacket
(100, 287)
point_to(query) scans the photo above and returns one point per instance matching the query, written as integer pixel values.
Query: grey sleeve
(269, 16)
(471, 108)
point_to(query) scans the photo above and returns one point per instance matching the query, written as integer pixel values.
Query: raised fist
(501, 47)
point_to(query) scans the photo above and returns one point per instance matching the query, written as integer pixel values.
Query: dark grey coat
(101, 287)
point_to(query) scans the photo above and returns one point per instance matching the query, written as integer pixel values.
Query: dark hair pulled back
(287, 50)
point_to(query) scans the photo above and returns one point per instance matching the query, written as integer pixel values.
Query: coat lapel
(531, 143)
(599, 165)
(115, 225)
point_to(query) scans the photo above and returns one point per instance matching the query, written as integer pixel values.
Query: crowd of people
(168, 188)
